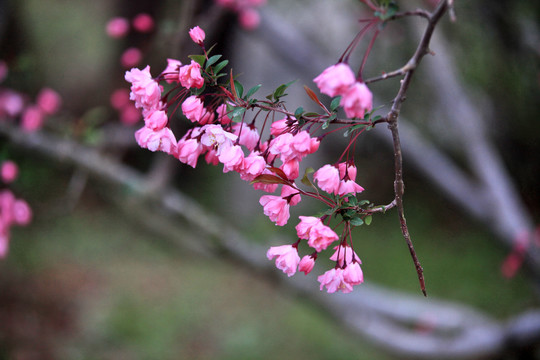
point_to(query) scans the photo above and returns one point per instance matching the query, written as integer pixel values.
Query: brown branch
(393, 116)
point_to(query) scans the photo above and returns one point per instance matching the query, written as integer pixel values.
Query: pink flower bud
(357, 100)
(306, 264)
(143, 23)
(32, 118)
(22, 214)
(249, 18)
(197, 35)
(9, 171)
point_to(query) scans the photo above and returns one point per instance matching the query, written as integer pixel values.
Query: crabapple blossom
(247, 135)
(22, 214)
(11, 103)
(357, 100)
(305, 225)
(294, 194)
(306, 264)
(197, 35)
(156, 120)
(321, 236)
(349, 187)
(232, 157)
(344, 255)
(249, 18)
(291, 168)
(287, 258)
(190, 76)
(279, 127)
(119, 98)
(353, 274)
(253, 166)
(215, 137)
(222, 114)
(334, 281)
(335, 80)
(327, 178)
(171, 72)
(162, 140)
(188, 151)
(144, 90)
(276, 208)
(211, 157)
(193, 108)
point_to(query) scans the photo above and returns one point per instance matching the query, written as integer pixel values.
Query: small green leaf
(335, 103)
(220, 66)
(211, 61)
(368, 219)
(298, 112)
(280, 91)
(305, 180)
(363, 202)
(252, 91)
(200, 59)
(236, 114)
(239, 88)
(357, 221)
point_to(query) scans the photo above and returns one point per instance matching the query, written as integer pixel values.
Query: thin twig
(392, 117)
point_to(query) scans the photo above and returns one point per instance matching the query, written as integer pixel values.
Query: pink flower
(344, 255)
(11, 103)
(143, 23)
(321, 236)
(117, 27)
(247, 135)
(190, 76)
(188, 151)
(281, 145)
(171, 72)
(349, 187)
(32, 118)
(193, 108)
(327, 178)
(352, 274)
(290, 194)
(347, 171)
(197, 35)
(156, 120)
(49, 101)
(144, 90)
(276, 208)
(306, 224)
(162, 140)
(334, 281)
(215, 137)
(291, 168)
(303, 144)
(279, 127)
(306, 264)
(232, 157)
(335, 80)
(131, 57)
(211, 157)
(253, 166)
(222, 114)
(9, 171)
(357, 100)
(287, 258)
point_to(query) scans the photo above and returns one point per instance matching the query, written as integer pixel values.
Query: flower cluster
(14, 104)
(13, 211)
(221, 133)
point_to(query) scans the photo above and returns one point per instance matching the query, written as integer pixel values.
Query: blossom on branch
(287, 258)
(335, 80)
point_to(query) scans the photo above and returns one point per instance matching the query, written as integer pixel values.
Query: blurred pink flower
(32, 118)
(119, 98)
(117, 27)
(131, 57)
(143, 23)
(49, 101)
(9, 171)
(22, 214)
(249, 18)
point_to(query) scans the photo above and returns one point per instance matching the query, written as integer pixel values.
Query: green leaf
(212, 60)
(220, 66)
(280, 91)
(335, 103)
(357, 221)
(252, 91)
(239, 88)
(305, 180)
(236, 114)
(200, 59)
(363, 202)
(298, 112)
(368, 219)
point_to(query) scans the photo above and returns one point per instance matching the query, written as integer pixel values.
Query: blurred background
(113, 268)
